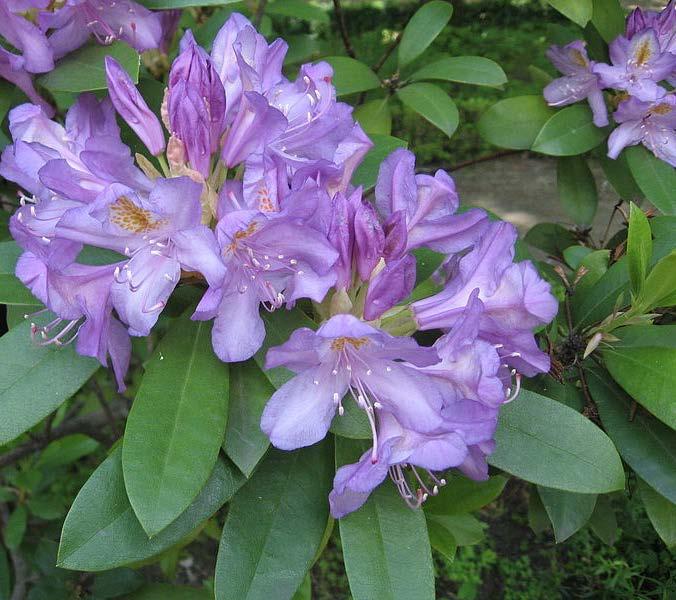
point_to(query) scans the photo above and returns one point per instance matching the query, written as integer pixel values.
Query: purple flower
(663, 23)
(638, 66)
(345, 354)
(428, 204)
(133, 108)
(579, 82)
(269, 260)
(27, 38)
(652, 124)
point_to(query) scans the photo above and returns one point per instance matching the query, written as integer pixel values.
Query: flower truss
(642, 61)
(256, 202)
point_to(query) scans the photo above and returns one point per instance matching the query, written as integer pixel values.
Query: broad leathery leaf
(619, 175)
(65, 451)
(441, 539)
(550, 237)
(250, 390)
(353, 423)
(275, 525)
(15, 527)
(639, 247)
(102, 532)
(176, 425)
(608, 18)
(461, 495)
(538, 519)
(567, 511)
(374, 116)
(423, 28)
(386, 548)
(465, 529)
(659, 288)
(351, 76)
(84, 70)
(298, 9)
(661, 512)
(603, 520)
(569, 131)
(12, 291)
(643, 362)
(367, 172)
(433, 104)
(544, 442)
(577, 189)
(514, 122)
(475, 70)
(646, 444)
(578, 11)
(35, 380)
(656, 178)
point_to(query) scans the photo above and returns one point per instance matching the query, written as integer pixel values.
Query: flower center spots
(339, 343)
(265, 203)
(241, 235)
(643, 53)
(125, 214)
(578, 58)
(661, 109)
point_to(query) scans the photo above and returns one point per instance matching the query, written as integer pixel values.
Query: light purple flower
(579, 82)
(269, 260)
(652, 124)
(133, 108)
(345, 354)
(27, 38)
(663, 23)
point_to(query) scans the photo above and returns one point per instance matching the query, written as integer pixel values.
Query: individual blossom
(579, 81)
(663, 23)
(652, 124)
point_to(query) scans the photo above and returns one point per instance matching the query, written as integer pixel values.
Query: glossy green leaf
(35, 380)
(619, 175)
(250, 390)
(304, 592)
(475, 70)
(12, 291)
(643, 362)
(465, 529)
(646, 444)
(659, 289)
(425, 25)
(374, 116)
(15, 527)
(603, 520)
(298, 9)
(166, 591)
(66, 451)
(578, 11)
(577, 189)
(275, 525)
(608, 18)
(514, 122)
(538, 519)
(569, 131)
(550, 238)
(639, 247)
(427, 262)
(656, 178)
(661, 512)
(84, 69)
(176, 425)
(353, 423)
(433, 104)
(351, 76)
(386, 549)
(462, 495)
(566, 393)
(441, 540)
(102, 532)
(573, 255)
(573, 455)
(568, 512)
(367, 172)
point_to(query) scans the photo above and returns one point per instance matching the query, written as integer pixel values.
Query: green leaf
(166, 591)
(427, 262)
(385, 544)
(12, 291)
(661, 512)
(176, 425)
(84, 69)
(603, 521)
(465, 529)
(374, 116)
(619, 175)
(441, 539)
(639, 247)
(569, 131)
(514, 122)
(102, 532)
(566, 393)
(304, 592)
(659, 289)
(433, 104)
(656, 178)
(577, 189)
(543, 441)
(353, 423)
(568, 512)
(275, 525)
(550, 238)
(608, 18)
(66, 451)
(578, 11)
(647, 445)
(475, 70)
(15, 527)
(115, 583)
(538, 519)
(367, 172)
(462, 495)
(425, 25)
(35, 380)
(298, 9)
(250, 390)
(573, 255)
(5, 575)
(351, 76)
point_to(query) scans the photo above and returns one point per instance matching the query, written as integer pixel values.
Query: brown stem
(610, 221)
(106, 409)
(473, 161)
(340, 16)
(388, 52)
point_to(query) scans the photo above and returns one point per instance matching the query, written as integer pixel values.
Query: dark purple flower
(579, 82)
(133, 108)
(652, 124)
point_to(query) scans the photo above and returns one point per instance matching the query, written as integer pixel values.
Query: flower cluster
(255, 202)
(41, 32)
(642, 61)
